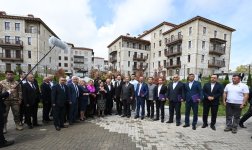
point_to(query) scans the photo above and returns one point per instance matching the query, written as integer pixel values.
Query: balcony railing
(140, 67)
(175, 65)
(113, 59)
(217, 40)
(174, 40)
(31, 31)
(216, 63)
(173, 52)
(217, 50)
(139, 58)
(11, 42)
(3, 57)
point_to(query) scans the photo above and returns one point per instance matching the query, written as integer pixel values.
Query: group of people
(74, 100)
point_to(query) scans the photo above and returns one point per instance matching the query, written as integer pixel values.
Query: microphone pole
(35, 66)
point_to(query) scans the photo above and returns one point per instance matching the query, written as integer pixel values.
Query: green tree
(249, 82)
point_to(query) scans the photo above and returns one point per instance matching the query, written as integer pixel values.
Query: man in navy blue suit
(141, 93)
(193, 96)
(73, 95)
(212, 92)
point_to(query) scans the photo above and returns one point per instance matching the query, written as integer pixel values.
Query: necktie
(76, 90)
(62, 87)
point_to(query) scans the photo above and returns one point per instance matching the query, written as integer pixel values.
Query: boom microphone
(58, 43)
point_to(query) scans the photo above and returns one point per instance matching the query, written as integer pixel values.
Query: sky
(96, 23)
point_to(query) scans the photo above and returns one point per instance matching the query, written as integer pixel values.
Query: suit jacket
(143, 91)
(83, 90)
(110, 93)
(177, 93)
(216, 92)
(195, 90)
(72, 92)
(2, 105)
(46, 92)
(250, 96)
(127, 92)
(162, 91)
(118, 89)
(59, 96)
(31, 96)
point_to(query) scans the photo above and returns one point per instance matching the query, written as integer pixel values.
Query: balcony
(217, 50)
(172, 53)
(3, 57)
(174, 40)
(140, 67)
(10, 43)
(217, 40)
(34, 31)
(173, 66)
(139, 58)
(113, 59)
(216, 63)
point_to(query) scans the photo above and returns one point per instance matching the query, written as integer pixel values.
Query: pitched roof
(82, 48)
(130, 39)
(201, 19)
(154, 28)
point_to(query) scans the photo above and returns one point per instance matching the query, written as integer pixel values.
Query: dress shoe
(213, 127)
(178, 124)
(128, 116)
(156, 119)
(186, 125)
(6, 143)
(57, 128)
(241, 125)
(227, 129)
(234, 130)
(30, 127)
(136, 117)
(194, 127)
(162, 120)
(64, 126)
(37, 125)
(148, 116)
(142, 118)
(123, 116)
(204, 125)
(169, 121)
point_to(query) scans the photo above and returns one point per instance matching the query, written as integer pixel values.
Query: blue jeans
(73, 112)
(140, 102)
(190, 104)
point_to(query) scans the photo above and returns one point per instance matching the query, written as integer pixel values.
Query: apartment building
(23, 42)
(198, 45)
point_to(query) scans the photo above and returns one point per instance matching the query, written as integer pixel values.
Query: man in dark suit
(31, 97)
(46, 90)
(22, 106)
(73, 95)
(248, 114)
(118, 89)
(175, 95)
(3, 142)
(212, 92)
(193, 92)
(141, 94)
(127, 95)
(160, 97)
(60, 96)
(109, 96)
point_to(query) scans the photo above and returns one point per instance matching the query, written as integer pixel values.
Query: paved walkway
(116, 133)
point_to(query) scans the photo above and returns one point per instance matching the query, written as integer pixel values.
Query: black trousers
(109, 105)
(175, 106)
(46, 110)
(247, 115)
(1, 124)
(233, 113)
(150, 108)
(118, 106)
(160, 106)
(214, 111)
(31, 115)
(58, 115)
(126, 107)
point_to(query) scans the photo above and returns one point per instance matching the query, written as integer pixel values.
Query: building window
(127, 44)
(129, 53)
(160, 32)
(65, 64)
(59, 57)
(128, 63)
(7, 39)
(179, 35)
(165, 40)
(29, 54)
(189, 58)
(215, 34)
(203, 44)
(140, 46)
(17, 39)
(204, 30)
(159, 53)
(188, 71)
(189, 44)
(225, 36)
(29, 40)
(152, 65)
(65, 58)
(190, 30)
(202, 58)
(134, 45)
(29, 67)
(159, 64)
(154, 35)
(7, 53)
(7, 25)
(17, 26)
(120, 45)
(160, 43)
(153, 45)
(59, 64)
(164, 63)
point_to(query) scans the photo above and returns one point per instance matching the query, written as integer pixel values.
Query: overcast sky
(96, 23)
